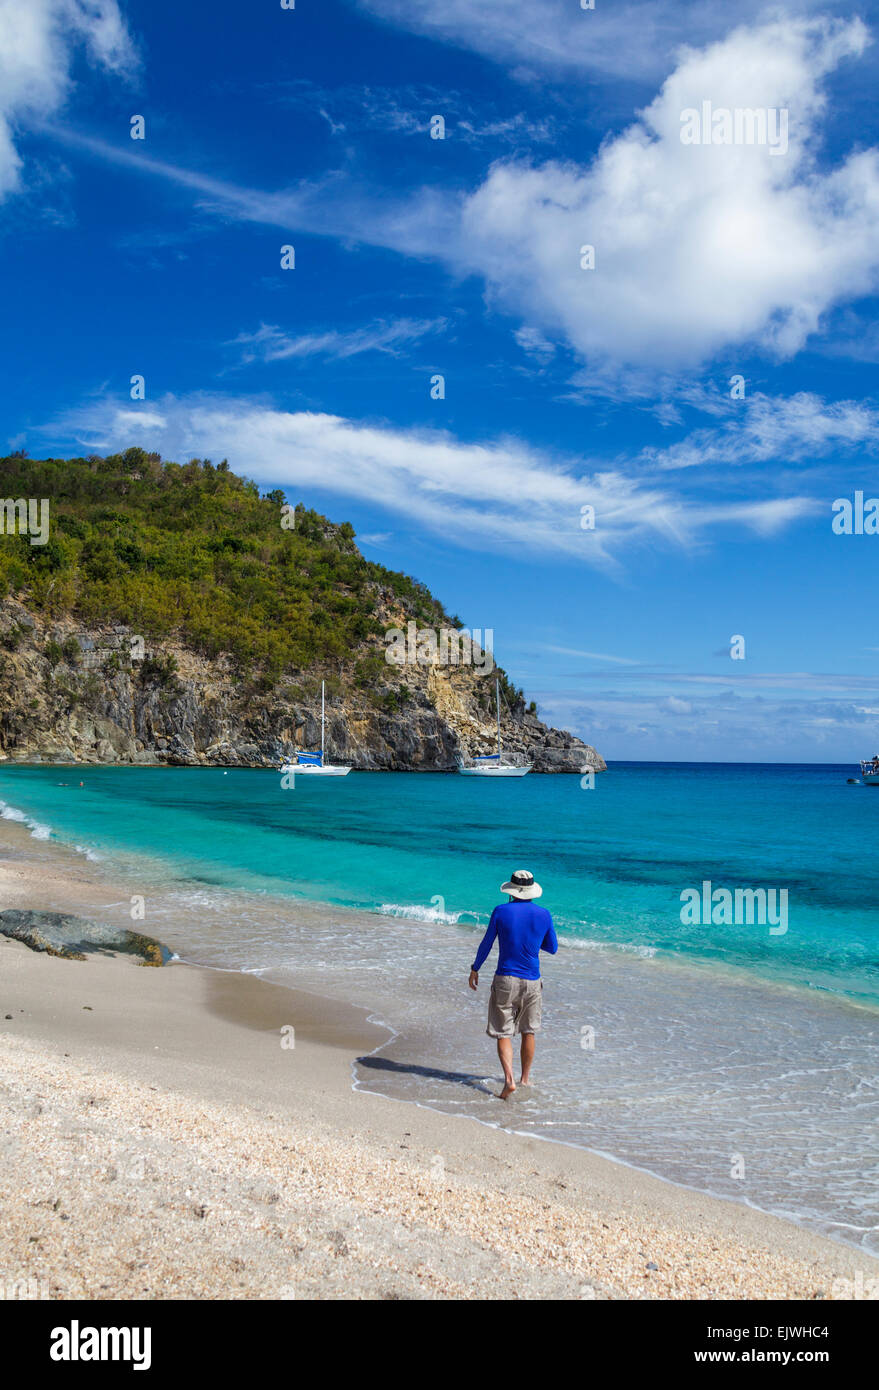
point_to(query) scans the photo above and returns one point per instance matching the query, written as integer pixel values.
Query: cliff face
(172, 614)
(70, 693)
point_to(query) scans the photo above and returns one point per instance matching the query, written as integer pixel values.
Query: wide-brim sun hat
(522, 886)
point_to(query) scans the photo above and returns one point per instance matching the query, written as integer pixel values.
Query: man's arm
(485, 946)
(550, 941)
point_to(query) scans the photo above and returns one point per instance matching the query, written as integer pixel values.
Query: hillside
(175, 615)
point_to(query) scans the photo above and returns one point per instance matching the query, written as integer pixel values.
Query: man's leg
(505, 1053)
(527, 1057)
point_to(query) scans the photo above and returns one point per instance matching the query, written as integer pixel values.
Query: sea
(711, 1016)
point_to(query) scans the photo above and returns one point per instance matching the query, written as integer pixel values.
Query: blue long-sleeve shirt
(522, 929)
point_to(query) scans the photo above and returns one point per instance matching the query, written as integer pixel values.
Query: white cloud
(419, 224)
(501, 495)
(697, 248)
(38, 39)
(623, 38)
(532, 342)
(763, 427)
(270, 344)
(674, 705)
(766, 518)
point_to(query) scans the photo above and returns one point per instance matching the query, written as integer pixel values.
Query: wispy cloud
(534, 344)
(407, 110)
(760, 428)
(501, 494)
(629, 39)
(417, 224)
(812, 682)
(270, 343)
(590, 656)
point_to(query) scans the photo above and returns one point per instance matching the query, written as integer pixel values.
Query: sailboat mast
(497, 700)
(322, 718)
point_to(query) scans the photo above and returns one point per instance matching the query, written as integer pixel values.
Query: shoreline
(431, 1208)
(693, 966)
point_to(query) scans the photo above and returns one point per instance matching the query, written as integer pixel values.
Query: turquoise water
(614, 860)
(724, 1056)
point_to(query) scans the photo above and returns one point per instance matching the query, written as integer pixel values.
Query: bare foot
(508, 1090)
(524, 1080)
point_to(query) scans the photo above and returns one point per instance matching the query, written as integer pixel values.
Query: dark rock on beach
(61, 934)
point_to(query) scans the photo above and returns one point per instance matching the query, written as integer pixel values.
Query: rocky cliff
(169, 613)
(75, 694)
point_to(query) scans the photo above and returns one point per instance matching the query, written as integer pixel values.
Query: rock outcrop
(61, 934)
(71, 694)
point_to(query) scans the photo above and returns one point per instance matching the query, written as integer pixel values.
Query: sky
(659, 357)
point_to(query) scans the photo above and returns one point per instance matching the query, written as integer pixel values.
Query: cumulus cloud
(696, 247)
(38, 39)
(501, 494)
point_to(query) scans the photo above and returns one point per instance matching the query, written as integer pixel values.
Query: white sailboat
(494, 764)
(312, 764)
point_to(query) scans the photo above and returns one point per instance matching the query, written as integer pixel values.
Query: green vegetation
(11, 640)
(192, 551)
(511, 695)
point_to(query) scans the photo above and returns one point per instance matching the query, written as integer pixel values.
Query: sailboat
(312, 764)
(494, 764)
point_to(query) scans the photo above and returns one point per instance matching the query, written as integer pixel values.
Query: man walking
(522, 930)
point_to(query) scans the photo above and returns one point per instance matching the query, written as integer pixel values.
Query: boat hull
(305, 770)
(494, 771)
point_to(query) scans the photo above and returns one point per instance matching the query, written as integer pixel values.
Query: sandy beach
(162, 1139)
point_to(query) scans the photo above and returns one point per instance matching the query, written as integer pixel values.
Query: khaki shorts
(514, 1006)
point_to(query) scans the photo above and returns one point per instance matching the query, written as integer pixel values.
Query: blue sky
(564, 387)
